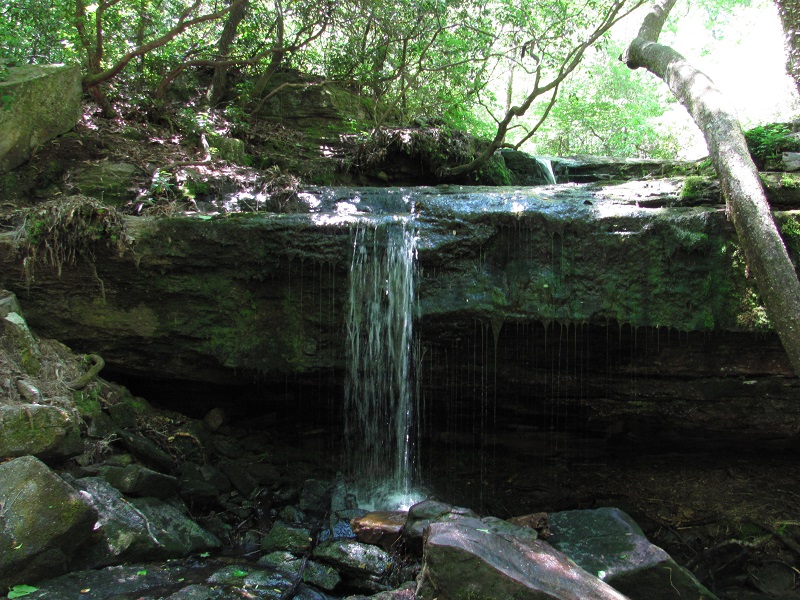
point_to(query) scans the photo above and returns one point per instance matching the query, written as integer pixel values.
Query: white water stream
(380, 390)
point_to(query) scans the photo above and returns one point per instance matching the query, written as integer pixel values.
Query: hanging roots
(59, 231)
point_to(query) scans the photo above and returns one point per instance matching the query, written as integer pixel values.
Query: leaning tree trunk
(789, 11)
(763, 247)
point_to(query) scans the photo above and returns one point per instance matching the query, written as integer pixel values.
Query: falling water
(380, 391)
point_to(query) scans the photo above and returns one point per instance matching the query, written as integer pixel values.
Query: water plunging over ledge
(380, 389)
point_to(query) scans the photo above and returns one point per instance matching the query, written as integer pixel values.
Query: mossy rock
(22, 343)
(47, 432)
(45, 522)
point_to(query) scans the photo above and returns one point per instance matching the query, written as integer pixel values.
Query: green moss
(140, 320)
(693, 187)
(791, 182)
(790, 228)
(495, 172)
(87, 402)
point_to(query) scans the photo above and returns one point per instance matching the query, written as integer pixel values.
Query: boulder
(44, 522)
(188, 579)
(422, 514)
(39, 103)
(315, 496)
(137, 529)
(240, 479)
(526, 169)
(609, 544)
(136, 480)
(314, 573)
(47, 432)
(229, 149)
(352, 558)
(463, 558)
(9, 303)
(111, 182)
(790, 161)
(22, 344)
(382, 528)
(260, 582)
(285, 537)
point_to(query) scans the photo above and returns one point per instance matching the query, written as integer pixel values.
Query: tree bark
(763, 247)
(789, 10)
(218, 87)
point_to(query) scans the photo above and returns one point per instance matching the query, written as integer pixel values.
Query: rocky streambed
(104, 496)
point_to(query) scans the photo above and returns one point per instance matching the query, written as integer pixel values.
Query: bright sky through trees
(743, 54)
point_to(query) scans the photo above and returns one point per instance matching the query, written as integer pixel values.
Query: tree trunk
(219, 87)
(789, 11)
(763, 247)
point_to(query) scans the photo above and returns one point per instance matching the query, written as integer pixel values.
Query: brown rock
(382, 528)
(537, 521)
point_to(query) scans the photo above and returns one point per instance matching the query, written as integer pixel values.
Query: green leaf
(142, 573)
(18, 591)
(239, 573)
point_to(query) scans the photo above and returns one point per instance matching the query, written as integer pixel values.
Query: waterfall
(380, 391)
(546, 168)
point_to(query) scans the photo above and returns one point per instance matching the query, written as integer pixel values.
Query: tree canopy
(516, 72)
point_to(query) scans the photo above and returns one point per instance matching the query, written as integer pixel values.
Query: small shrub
(767, 142)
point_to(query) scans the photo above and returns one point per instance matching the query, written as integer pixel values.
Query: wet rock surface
(607, 543)
(464, 558)
(44, 521)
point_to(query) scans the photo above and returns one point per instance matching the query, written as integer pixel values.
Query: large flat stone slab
(40, 102)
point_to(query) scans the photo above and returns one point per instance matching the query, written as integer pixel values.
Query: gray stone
(47, 432)
(526, 169)
(464, 559)
(215, 418)
(354, 558)
(315, 495)
(609, 544)
(500, 526)
(193, 592)
(791, 161)
(138, 529)
(111, 182)
(229, 149)
(239, 477)
(584, 168)
(422, 514)
(22, 343)
(314, 573)
(175, 533)
(206, 480)
(44, 521)
(147, 450)
(227, 447)
(9, 303)
(136, 480)
(263, 473)
(45, 101)
(285, 537)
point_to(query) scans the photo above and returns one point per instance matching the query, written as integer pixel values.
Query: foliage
(607, 109)
(767, 142)
(437, 148)
(19, 591)
(429, 61)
